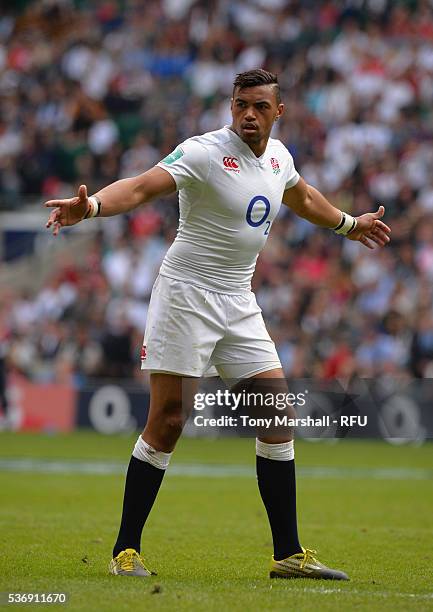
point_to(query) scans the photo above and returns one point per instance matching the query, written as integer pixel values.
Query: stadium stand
(93, 91)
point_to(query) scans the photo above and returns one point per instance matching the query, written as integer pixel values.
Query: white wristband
(94, 208)
(94, 204)
(346, 225)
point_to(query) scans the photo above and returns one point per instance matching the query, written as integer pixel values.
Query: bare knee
(164, 426)
(173, 425)
(169, 410)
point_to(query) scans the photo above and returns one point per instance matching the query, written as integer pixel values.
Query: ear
(280, 111)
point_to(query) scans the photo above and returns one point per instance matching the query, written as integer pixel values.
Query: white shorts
(195, 332)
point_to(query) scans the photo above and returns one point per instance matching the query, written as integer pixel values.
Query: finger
(377, 239)
(82, 192)
(57, 228)
(54, 215)
(60, 203)
(379, 212)
(381, 225)
(365, 241)
(382, 236)
(377, 232)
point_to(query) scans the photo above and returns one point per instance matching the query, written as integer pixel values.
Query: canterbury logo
(231, 163)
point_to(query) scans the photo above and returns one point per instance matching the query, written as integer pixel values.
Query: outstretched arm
(307, 202)
(119, 197)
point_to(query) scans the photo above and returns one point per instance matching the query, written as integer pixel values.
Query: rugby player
(203, 317)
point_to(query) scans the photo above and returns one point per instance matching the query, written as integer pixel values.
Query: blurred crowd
(94, 91)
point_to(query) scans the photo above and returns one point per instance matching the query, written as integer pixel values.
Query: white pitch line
(208, 470)
(385, 594)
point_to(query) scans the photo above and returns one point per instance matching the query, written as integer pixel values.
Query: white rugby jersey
(228, 199)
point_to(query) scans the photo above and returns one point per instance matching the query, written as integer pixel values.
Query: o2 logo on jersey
(256, 215)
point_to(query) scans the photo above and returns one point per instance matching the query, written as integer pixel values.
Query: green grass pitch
(366, 507)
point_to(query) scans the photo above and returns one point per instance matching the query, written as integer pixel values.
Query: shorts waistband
(204, 287)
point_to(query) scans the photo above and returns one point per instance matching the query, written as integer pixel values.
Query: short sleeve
(187, 164)
(292, 176)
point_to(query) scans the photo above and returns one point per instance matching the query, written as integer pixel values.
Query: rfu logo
(231, 164)
(275, 165)
(143, 354)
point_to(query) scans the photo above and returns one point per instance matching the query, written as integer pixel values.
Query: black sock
(141, 488)
(277, 485)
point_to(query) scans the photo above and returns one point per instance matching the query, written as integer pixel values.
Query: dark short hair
(255, 78)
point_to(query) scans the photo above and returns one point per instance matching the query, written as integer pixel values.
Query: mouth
(250, 128)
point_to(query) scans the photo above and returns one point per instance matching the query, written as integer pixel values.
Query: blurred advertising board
(396, 412)
(41, 407)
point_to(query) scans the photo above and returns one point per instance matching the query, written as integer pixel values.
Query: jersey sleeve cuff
(295, 178)
(171, 173)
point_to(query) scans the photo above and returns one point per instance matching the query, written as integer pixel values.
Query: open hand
(369, 229)
(67, 212)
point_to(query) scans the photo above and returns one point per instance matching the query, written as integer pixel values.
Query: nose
(250, 115)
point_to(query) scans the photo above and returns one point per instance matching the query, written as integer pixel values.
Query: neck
(258, 148)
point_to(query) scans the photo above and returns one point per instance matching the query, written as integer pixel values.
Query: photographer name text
(279, 421)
